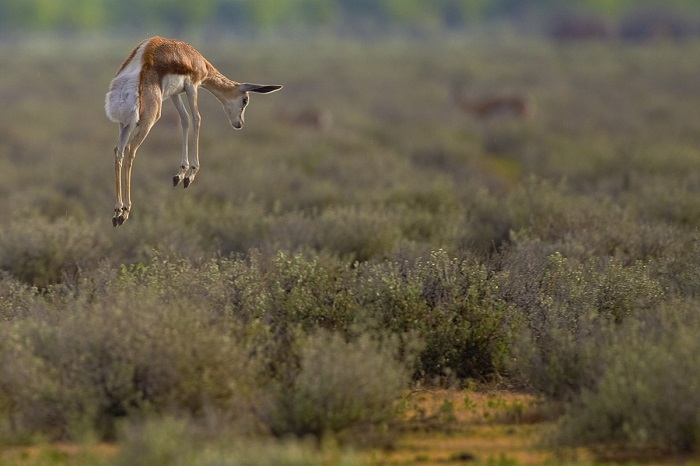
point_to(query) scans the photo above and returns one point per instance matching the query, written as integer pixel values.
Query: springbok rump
(158, 69)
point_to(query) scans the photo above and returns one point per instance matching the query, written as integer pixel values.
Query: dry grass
(57, 453)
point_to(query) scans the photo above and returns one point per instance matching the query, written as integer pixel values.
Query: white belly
(172, 84)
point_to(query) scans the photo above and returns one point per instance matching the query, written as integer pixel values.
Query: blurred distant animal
(158, 69)
(658, 26)
(572, 27)
(493, 106)
(314, 118)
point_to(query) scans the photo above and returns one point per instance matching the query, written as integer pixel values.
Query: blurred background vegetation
(363, 233)
(255, 15)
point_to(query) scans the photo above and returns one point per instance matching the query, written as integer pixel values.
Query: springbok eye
(245, 101)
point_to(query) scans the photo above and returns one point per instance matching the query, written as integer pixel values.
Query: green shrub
(17, 299)
(42, 253)
(127, 354)
(452, 306)
(679, 269)
(338, 385)
(222, 225)
(468, 327)
(298, 292)
(357, 234)
(580, 226)
(570, 309)
(158, 442)
(648, 392)
(173, 442)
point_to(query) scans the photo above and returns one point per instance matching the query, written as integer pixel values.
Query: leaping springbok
(158, 69)
(500, 105)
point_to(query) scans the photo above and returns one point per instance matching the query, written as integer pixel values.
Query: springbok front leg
(185, 123)
(191, 91)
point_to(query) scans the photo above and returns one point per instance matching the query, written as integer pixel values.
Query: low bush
(127, 354)
(173, 442)
(452, 306)
(17, 299)
(302, 292)
(570, 309)
(679, 269)
(337, 385)
(41, 252)
(647, 394)
(176, 335)
(357, 234)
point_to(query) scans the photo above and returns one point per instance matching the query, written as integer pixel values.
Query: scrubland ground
(318, 268)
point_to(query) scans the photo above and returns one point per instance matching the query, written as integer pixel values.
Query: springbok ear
(259, 88)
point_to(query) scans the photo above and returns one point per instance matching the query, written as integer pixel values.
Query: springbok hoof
(187, 182)
(176, 180)
(120, 216)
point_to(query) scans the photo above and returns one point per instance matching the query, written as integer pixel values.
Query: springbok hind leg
(147, 120)
(185, 123)
(141, 134)
(119, 149)
(118, 185)
(191, 92)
